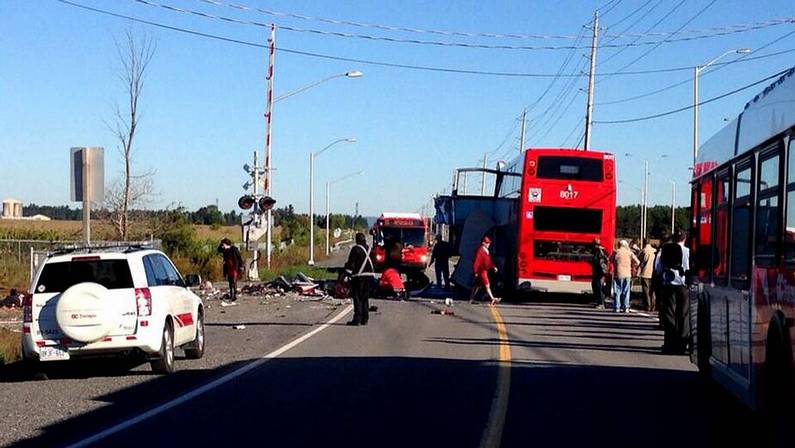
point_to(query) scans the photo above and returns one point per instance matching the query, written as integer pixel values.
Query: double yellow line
(492, 437)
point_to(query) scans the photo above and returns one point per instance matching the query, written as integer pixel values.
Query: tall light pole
(312, 156)
(328, 194)
(640, 230)
(696, 72)
(269, 116)
(645, 194)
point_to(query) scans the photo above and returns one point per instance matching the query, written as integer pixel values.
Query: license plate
(564, 278)
(53, 353)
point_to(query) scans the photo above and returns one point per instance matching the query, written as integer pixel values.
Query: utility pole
(522, 133)
(591, 73)
(645, 198)
(483, 177)
(268, 123)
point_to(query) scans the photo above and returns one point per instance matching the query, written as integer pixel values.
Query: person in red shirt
(481, 267)
(233, 265)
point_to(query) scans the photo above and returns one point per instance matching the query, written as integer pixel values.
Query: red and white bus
(547, 207)
(743, 243)
(408, 229)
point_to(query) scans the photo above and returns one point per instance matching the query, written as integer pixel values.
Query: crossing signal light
(246, 202)
(266, 203)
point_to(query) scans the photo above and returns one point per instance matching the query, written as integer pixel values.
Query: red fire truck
(409, 230)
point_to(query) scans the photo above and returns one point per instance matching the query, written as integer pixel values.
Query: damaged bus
(543, 211)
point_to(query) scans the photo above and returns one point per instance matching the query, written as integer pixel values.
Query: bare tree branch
(134, 58)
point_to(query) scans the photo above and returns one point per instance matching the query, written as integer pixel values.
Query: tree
(132, 190)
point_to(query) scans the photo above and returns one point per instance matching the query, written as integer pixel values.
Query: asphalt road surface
(541, 374)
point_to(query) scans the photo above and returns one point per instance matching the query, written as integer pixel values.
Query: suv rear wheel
(165, 361)
(195, 349)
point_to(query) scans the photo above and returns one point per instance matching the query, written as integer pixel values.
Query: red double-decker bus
(567, 198)
(547, 207)
(742, 312)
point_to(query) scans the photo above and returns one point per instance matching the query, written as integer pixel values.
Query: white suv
(109, 302)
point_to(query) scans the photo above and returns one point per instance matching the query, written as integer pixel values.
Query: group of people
(663, 278)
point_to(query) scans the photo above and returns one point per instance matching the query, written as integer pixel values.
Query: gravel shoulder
(34, 408)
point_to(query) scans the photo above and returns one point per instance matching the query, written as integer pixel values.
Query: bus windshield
(409, 236)
(570, 168)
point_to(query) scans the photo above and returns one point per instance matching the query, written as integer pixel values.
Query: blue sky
(204, 99)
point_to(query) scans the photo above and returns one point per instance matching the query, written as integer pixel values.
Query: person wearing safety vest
(360, 267)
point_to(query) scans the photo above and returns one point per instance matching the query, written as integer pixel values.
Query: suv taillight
(27, 308)
(143, 300)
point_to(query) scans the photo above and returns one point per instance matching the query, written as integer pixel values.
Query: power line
(717, 67)
(412, 41)
(607, 9)
(415, 30)
(648, 29)
(354, 60)
(682, 109)
(637, 10)
(701, 11)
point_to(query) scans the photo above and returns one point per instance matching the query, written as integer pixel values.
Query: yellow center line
(492, 437)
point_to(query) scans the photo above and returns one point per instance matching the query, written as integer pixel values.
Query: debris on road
(13, 300)
(448, 301)
(225, 303)
(443, 312)
(239, 327)
(373, 308)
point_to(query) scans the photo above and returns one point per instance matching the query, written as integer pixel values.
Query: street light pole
(312, 156)
(696, 72)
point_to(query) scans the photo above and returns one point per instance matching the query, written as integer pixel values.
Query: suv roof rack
(124, 246)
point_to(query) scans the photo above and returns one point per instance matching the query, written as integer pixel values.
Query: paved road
(576, 377)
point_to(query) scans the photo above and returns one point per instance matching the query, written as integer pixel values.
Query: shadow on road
(403, 401)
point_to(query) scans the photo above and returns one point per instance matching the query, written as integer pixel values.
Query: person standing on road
(599, 267)
(441, 256)
(360, 267)
(481, 267)
(646, 272)
(624, 259)
(672, 266)
(233, 265)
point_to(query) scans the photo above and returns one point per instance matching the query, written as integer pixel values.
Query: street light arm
(349, 74)
(345, 177)
(349, 140)
(727, 52)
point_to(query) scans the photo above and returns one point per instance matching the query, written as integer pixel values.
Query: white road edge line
(209, 386)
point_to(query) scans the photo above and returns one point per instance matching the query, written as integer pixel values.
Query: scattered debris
(225, 303)
(448, 301)
(443, 312)
(373, 308)
(239, 327)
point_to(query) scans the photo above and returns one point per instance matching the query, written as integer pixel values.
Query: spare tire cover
(83, 312)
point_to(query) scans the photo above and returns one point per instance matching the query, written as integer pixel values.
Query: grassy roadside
(9, 346)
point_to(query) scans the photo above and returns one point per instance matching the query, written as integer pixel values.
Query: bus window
(703, 254)
(789, 229)
(570, 168)
(741, 228)
(720, 259)
(766, 238)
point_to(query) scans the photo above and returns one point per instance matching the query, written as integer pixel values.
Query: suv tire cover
(83, 312)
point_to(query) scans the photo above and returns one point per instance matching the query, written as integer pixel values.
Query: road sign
(87, 162)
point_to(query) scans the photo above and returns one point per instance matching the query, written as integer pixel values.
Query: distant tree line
(658, 217)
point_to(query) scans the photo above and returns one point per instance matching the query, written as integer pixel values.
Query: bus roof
(394, 215)
(767, 114)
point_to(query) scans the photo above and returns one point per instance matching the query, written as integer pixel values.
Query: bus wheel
(703, 337)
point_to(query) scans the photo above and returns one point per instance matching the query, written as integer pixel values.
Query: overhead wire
(650, 50)
(682, 109)
(635, 11)
(716, 67)
(370, 37)
(668, 14)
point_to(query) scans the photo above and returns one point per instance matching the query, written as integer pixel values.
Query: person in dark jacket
(441, 256)
(233, 265)
(360, 267)
(599, 268)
